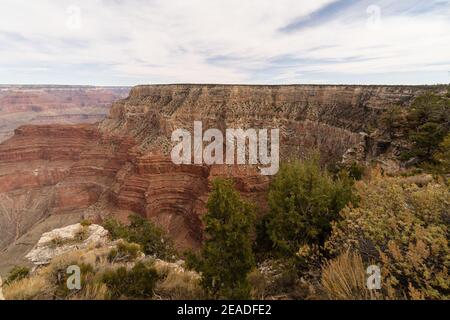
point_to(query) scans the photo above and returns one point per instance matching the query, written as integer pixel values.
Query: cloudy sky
(128, 42)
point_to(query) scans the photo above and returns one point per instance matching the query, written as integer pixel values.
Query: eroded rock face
(333, 119)
(21, 105)
(122, 166)
(60, 241)
(54, 169)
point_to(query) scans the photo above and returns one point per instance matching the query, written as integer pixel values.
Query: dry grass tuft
(48, 283)
(177, 283)
(94, 291)
(32, 288)
(344, 278)
(42, 286)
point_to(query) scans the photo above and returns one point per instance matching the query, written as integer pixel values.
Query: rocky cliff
(51, 176)
(21, 105)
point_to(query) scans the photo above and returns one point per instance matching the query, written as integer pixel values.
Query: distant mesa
(39, 104)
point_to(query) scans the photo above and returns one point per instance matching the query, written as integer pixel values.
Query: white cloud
(220, 41)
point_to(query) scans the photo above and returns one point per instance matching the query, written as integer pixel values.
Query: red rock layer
(22, 105)
(122, 166)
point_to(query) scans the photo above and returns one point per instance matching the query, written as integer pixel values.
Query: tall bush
(404, 229)
(304, 199)
(226, 256)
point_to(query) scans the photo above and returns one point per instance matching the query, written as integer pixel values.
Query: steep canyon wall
(52, 175)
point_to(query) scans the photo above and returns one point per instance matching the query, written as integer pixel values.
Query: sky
(130, 42)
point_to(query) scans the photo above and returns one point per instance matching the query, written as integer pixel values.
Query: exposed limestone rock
(64, 240)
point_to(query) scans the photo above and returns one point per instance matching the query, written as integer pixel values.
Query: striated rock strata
(21, 105)
(52, 175)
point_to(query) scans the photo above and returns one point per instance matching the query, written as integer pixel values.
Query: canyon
(33, 104)
(54, 175)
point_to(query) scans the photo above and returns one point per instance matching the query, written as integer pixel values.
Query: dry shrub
(92, 291)
(258, 284)
(16, 274)
(170, 280)
(137, 282)
(280, 280)
(403, 228)
(419, 180)
(124, 252)
(344, 278)
(49, 282)
(102, 271)
(177, 283)
(36, 287)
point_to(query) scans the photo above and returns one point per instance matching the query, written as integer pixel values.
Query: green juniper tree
(152, 239)
(226, 256)
(442, 156)
(304, 200)
(428, 123)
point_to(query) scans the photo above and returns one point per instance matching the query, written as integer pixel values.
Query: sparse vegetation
(16, 274)
(152, 239)
(85, 223)
(59, 276)
(176, 283)
(101, 279)
(124, 252)
(57, 241)
(403, 228)
(81, 234)
(137, 283)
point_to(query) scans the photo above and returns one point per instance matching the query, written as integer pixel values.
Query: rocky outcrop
(122, 166)
(61, 241)
(60, 250)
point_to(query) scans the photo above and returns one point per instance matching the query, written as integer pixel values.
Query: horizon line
(218, 84)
